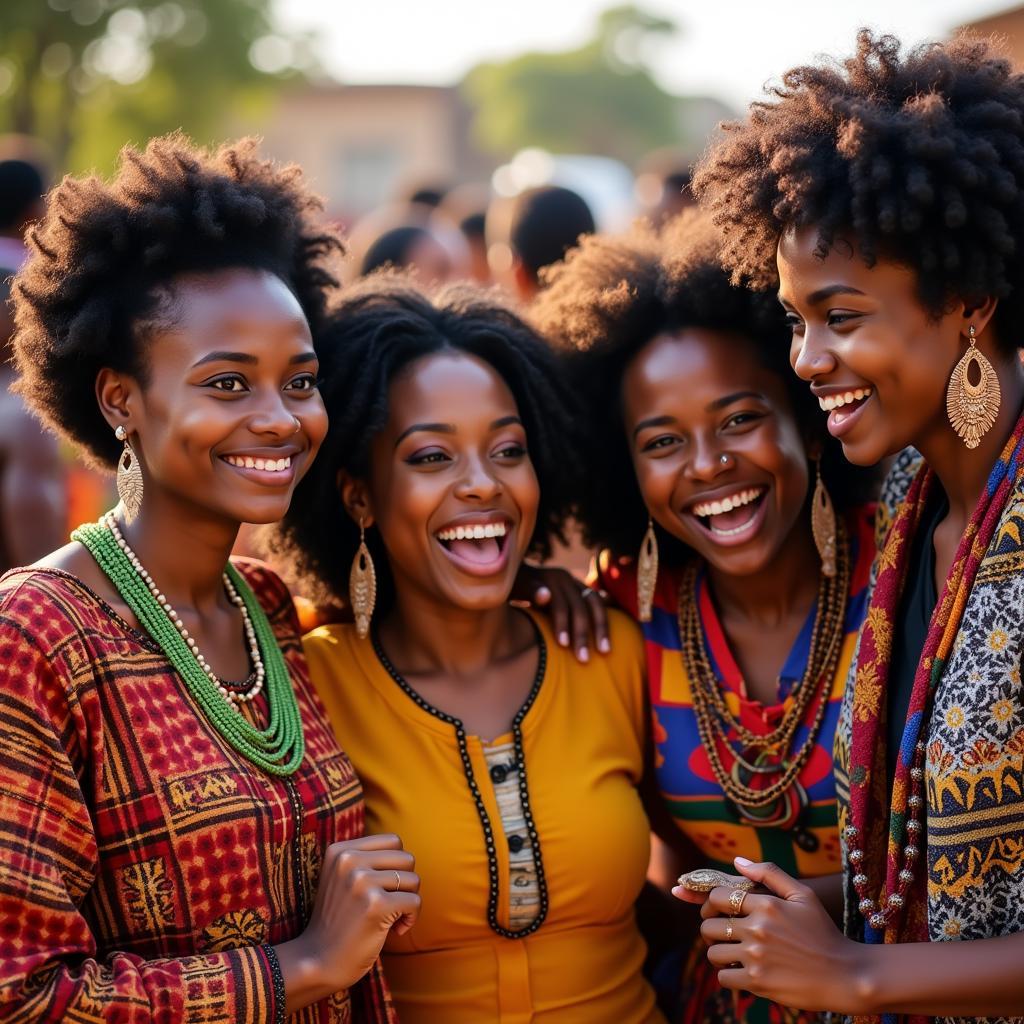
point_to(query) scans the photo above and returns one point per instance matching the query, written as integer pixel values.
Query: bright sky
(726, 48)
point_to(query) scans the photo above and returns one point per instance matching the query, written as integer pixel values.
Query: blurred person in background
(531, 231)
(466, 206)
(410, 247)
(32, 488)
(662, 186)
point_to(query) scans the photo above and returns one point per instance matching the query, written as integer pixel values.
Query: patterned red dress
(143, 861)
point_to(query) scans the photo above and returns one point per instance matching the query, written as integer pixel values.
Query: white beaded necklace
(110, 522)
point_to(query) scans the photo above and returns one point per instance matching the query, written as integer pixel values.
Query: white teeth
(479, 531)
(830, 402)
(250, 463)
(716, 508)
(268, 465)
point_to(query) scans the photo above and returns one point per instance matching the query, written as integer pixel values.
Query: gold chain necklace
(714, 719)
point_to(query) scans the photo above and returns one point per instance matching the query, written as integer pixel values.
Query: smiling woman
(181, 836)
(695, 431)
(512, 767)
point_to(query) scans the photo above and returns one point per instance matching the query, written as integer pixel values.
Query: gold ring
(398, 882)
(728, 932)
(736, 898)
(706, 879)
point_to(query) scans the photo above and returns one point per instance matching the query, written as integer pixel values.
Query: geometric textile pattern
(142, 860)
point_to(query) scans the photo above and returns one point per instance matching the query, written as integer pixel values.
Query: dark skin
(453, 452)
(231, 373)
(858, 325)
(764, 580)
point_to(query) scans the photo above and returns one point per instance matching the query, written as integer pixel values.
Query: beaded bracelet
(277, 980)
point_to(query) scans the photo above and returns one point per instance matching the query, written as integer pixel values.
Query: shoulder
(34, 595)
(329, 648)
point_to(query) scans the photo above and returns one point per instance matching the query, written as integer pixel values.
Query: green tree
(600, 98)
(86, 76)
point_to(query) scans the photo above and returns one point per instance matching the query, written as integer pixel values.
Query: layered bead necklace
(716, 724)
(278, 749)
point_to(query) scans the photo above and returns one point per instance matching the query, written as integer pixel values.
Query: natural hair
(914, 157)
(379, 326)
(608, 301)
(105, 258)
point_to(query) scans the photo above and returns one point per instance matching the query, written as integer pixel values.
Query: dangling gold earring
(647, 573)
(823, 525)
(129, 478)
(362, 586)
(972, 408)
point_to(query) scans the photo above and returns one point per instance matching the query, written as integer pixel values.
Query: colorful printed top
(142, 861)
(685, 778)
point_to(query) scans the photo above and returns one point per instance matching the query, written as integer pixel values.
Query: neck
(183, 548)
(425, 637)
(963, 472)
(787, 585)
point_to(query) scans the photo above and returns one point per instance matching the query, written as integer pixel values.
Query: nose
(809, 355)
(273, 417)
(478, 481)
(706, 459)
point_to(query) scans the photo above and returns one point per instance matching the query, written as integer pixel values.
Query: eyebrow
(248, 359)
(721, 403)
(833, 289)
(653, 421)
(449, 428)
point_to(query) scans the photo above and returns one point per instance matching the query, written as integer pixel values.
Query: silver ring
(586, 592)
(728, 932)
(398, 882)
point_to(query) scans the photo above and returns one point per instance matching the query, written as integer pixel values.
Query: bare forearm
(304, 982)
(977, 978)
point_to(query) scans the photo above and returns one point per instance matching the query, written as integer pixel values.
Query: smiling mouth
(732, 515)
(264, 465)
(479, 546)
(845, 404)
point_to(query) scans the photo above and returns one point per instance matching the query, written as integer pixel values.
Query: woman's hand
(367, 889)
(577, 612)
(701, 898)
(784, 947)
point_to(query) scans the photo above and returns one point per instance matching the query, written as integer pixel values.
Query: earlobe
(355, 497)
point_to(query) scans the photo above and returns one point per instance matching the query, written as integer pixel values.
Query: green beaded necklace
(279, 748)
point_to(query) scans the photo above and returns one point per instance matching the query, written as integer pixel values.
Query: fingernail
(604, 645)
(583, 654)
(742, 862)
(563, 639)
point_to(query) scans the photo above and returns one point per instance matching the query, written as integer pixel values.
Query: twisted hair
(915, 157)
(604, 304)
(379, 326)
(103, 262)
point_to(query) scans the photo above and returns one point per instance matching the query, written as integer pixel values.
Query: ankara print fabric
(974, 770)
(142, 861)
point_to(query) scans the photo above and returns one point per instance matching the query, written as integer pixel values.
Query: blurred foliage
(600, 98)
(87, 76)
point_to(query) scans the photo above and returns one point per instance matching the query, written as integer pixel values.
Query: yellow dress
(583, 740)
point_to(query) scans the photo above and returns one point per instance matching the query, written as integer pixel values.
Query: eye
(836, 319)
(662, 441)
(793, 322)
(304, 382)
(741, 419)
(232, 384)
(511, 451)
(432, 457)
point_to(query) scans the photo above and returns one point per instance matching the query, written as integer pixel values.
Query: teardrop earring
(647, 573)
(362, 586)
(972, 408)
(823, 525)
(129, 478)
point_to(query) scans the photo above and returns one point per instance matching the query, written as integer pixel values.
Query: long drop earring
(972, 408)
(823, 525)
(129, 478)
(362, 586)
(647, 573)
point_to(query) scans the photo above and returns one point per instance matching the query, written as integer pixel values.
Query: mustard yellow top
(583, 748)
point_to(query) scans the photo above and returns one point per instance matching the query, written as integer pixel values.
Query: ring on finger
(587, 592)
(736, 898)
(728, 932)
(398, 882)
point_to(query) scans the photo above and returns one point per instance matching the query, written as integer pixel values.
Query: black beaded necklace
(481, 810)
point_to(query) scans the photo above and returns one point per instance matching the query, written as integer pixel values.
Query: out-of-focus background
(460, 138)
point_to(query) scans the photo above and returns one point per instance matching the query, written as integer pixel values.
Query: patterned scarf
(881, 822)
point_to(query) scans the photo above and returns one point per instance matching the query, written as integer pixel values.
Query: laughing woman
(179, 832)
(701, 448)
(885, 198)
(511, 767)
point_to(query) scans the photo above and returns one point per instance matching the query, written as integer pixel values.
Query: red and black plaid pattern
(142, 861)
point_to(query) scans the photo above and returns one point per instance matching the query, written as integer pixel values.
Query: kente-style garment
(142, 861)
(685, 779)
(973, 835)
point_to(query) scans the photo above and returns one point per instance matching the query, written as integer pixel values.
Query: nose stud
(723, 459)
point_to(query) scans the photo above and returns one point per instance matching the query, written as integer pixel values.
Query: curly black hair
(103, 262)
(378, 326)
(915, 157)
(606, 302)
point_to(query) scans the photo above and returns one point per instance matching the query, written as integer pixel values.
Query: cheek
(313, 417)
(524, 488)
(656, 479)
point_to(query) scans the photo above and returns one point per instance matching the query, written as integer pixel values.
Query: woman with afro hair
(181, 837)
(884, 197)
(512, 767)
(703, 455)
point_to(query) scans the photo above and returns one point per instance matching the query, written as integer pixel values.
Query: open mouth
(263, 470)
(843, 408)
(479, 548)
(733, 518)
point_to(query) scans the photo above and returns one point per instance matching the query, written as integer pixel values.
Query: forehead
(450, 385)
(679, 360)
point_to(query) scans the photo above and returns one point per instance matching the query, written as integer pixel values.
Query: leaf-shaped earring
(647, 574)
(129, 478)
(362, 586)
(972, 408)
